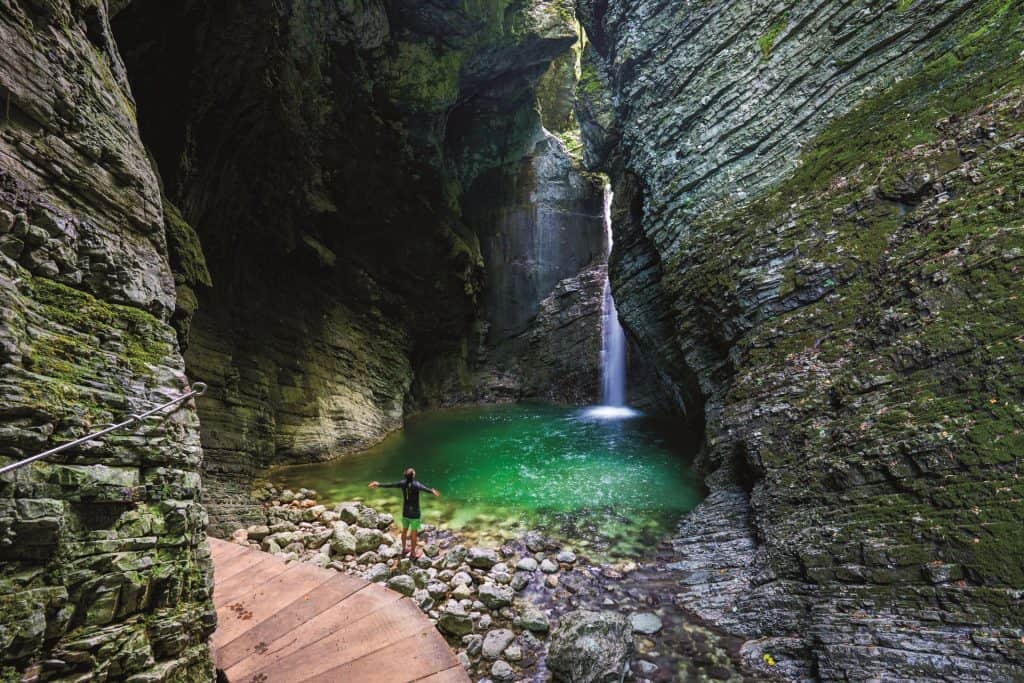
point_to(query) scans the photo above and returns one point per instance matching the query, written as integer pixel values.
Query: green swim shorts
(409, 523)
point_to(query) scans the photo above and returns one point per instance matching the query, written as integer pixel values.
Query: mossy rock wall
(105, 568)
(820, 245)
(326, 154)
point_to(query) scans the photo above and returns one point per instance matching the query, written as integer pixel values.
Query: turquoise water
(611, 486)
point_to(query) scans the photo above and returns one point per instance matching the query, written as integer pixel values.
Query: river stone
(431, 550)
(287, 496)
(462, 592)
(474, 643)
(437, 589)
(369, 557)
(257, 532)
(590, 647)
(532, 619)
(548, 567)
(482, 558)
(496, 641)
(520, 580)
(424, 600)
(385, 520)
(454, 557)
(462, 579)
(367, 518)
(527, 564)
(566, 557)
(513, 653)
(403, 584)
(420, 576)
(319, 560)
(454, 620)
(495, 597)
(369, 539)
(502, 671)
(348, 513)
(647, 623)
(313, 513)
(377, 573)
(536, 542)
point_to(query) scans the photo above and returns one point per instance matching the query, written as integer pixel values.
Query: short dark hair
(410, 473)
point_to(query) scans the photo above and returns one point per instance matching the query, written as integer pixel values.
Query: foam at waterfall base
(611, 412)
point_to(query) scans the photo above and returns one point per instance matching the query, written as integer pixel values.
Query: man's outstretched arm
(392, 485)
(424, 487)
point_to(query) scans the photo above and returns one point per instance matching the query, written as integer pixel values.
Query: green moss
(88, 333)
(767, 40)
(902, 381)
(184, 248)
(590, 82)
(422, 80)
(904, 5)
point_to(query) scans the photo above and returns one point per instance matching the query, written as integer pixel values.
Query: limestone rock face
(544, 253)
(104, 567)
(816, 251)
(331, 180)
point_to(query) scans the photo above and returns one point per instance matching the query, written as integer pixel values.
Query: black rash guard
(410, 495)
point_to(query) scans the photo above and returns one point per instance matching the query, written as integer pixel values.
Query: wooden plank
(237, 585)
(416, 656)
(455, 674)
(360, 604)
(285, 622)
(262, 601)
(363, 636)
(298, 622)
(221, 551)
(233, 565)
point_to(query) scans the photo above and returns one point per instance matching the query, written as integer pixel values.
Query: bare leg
(415, 535)
(405, 534)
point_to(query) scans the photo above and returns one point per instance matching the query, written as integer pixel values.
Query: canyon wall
(105, 568)
(819, 232)
(341, 165)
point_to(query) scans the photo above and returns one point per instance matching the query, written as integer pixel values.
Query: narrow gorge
(706, 317)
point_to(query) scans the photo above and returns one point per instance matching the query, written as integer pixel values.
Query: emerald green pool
(611, 485)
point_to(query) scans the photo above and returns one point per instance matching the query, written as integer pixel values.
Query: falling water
(613, 339)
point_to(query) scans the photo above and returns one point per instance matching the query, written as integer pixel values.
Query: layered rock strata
(819, 242)
(105, 568)
(331, 177)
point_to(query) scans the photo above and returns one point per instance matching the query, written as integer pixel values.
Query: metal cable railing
(198, 389)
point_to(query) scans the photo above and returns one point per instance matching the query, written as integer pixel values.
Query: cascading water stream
(613, 341)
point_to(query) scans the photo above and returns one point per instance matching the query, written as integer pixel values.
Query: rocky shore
(529, 610)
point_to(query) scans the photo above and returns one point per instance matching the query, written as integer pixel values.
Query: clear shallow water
(612, 485)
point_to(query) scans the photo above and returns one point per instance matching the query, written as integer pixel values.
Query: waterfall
(613, 339)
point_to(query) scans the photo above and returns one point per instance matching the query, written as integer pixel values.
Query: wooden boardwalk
(279, 623)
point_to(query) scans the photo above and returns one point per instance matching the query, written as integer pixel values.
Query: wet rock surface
(579, 622)
(816, 248)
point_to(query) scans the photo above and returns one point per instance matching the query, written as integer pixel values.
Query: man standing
(410, 505)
